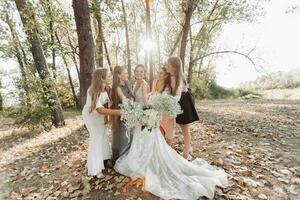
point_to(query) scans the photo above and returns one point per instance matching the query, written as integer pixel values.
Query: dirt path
(256, 142)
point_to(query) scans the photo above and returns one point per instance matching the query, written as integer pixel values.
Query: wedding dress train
(167, 174)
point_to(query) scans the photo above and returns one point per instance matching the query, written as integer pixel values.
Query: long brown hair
(167, 82)
(176, 63)
(96, 85)
(116, 83)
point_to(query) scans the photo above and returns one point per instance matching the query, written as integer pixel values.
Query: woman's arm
(146, 89)
(154, 85)
(106, 111)
(178, 92)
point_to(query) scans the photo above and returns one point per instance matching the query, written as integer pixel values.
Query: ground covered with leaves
(256, 142)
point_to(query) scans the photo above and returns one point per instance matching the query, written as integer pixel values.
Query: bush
(209, 89)
(32, 109)
(64, 92)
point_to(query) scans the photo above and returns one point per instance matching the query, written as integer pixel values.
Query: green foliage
(209, 89)
(32, 109)
(205, 87)
(64, 92)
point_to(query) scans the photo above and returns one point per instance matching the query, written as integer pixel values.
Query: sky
(275, 36)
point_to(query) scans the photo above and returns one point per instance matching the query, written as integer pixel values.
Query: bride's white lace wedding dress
(167, 174)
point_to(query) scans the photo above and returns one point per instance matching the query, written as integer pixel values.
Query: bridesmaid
(174, 68)
(121, 139)
(163, 85)
(162, 81)
(140, 87)
(189, 114)
(93, 114)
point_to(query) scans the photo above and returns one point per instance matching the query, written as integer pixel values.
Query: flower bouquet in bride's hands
(165, 103)
(131, 112)
(134, 116)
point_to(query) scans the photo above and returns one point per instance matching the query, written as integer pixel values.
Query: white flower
(134, 116)
(131, 113)
(165, 103)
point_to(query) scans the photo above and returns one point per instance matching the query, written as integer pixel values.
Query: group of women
(167, 174)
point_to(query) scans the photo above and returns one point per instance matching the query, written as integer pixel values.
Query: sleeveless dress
(187, 104)
(99, 147)
(139, 95)
(121, 137)
(167, 123)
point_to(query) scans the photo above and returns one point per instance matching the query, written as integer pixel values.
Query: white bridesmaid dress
(99, 148)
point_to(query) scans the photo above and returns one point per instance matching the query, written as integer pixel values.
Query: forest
(49, 49)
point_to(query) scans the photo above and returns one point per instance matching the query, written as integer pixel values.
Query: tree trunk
(127, 39)
(27, 18)
(1, 98)
(186, 28)
(51, 26)
(136, 36)
(76, 101)
(199, 68)
(53, 49)
(86, 45)
(191, 64)
(193, 45)
(99, 39)
(74, 56)
(21, 60)
(107, 54)
(175, 43)
(149, 37)
(47, 7)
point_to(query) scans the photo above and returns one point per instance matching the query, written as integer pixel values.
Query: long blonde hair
(176, 63)
(96, 85)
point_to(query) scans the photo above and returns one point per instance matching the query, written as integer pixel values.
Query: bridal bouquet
(150, 118)
(134, 116)
(165, 103)
(131, 113)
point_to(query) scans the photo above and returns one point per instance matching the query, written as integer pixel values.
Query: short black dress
(187, 104)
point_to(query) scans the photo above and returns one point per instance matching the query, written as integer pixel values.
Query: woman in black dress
(186, 102)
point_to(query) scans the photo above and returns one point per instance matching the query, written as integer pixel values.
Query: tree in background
(86, 45)
(1, 97)
(31, 28)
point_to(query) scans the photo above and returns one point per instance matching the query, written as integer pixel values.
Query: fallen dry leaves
(256, 142)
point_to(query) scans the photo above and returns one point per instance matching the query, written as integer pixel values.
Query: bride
(166, 173)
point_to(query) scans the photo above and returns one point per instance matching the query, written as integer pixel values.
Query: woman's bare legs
(186, 139)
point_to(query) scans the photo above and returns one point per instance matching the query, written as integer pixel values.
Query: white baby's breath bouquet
(165, 103)
(134, 116)
(150, 118)
(131, 112)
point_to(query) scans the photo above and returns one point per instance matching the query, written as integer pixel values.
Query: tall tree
(189, 7)
(99, 40)
(18, 53)
(76, 101)
(149, 38)
(86, 45)
(1, 98)
(201, 38)
(127, 39)
(48, 8)
(31, 28)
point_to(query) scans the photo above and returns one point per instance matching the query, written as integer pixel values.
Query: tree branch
(247, 56)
